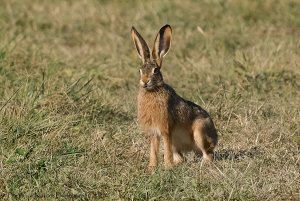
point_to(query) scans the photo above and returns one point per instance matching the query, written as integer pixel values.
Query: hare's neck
(150, 95)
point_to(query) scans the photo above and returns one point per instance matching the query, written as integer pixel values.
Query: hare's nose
(144, 83)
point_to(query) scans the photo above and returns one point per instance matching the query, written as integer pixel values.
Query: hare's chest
(152, 112)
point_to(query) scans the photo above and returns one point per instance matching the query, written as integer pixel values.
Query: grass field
(68, 86)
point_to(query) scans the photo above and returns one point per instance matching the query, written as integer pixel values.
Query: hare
(183, 125)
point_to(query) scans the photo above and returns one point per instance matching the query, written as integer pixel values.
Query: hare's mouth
(149, 86)
(152, 86)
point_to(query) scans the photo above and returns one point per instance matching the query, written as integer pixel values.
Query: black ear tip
(133, 29)
(166, 26)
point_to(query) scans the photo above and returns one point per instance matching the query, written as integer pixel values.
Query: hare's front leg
(154, 150)
(168, 151)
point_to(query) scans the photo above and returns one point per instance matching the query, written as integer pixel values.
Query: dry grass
(68, 82)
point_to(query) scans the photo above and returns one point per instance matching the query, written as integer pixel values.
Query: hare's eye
(156, 70)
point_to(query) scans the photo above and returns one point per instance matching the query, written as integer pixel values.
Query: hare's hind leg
(203, 145)
(154, 150)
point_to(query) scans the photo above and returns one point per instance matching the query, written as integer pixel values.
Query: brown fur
(183, 125)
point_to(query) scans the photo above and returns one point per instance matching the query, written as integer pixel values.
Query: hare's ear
(162, 44)
(140, 45)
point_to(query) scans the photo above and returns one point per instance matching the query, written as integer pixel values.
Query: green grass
(68, 85)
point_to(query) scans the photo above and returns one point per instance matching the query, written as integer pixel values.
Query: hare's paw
(178, 158)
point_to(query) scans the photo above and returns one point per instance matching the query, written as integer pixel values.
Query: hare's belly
(182, 139)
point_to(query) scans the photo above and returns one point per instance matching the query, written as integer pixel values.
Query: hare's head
(150, 75)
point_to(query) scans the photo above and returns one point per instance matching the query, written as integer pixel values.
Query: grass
(68, 85)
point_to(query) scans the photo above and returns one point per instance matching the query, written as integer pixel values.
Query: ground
(68, 86)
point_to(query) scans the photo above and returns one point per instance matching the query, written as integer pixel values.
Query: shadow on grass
(237, 155)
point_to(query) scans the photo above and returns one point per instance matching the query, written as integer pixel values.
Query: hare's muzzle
(146, 84)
